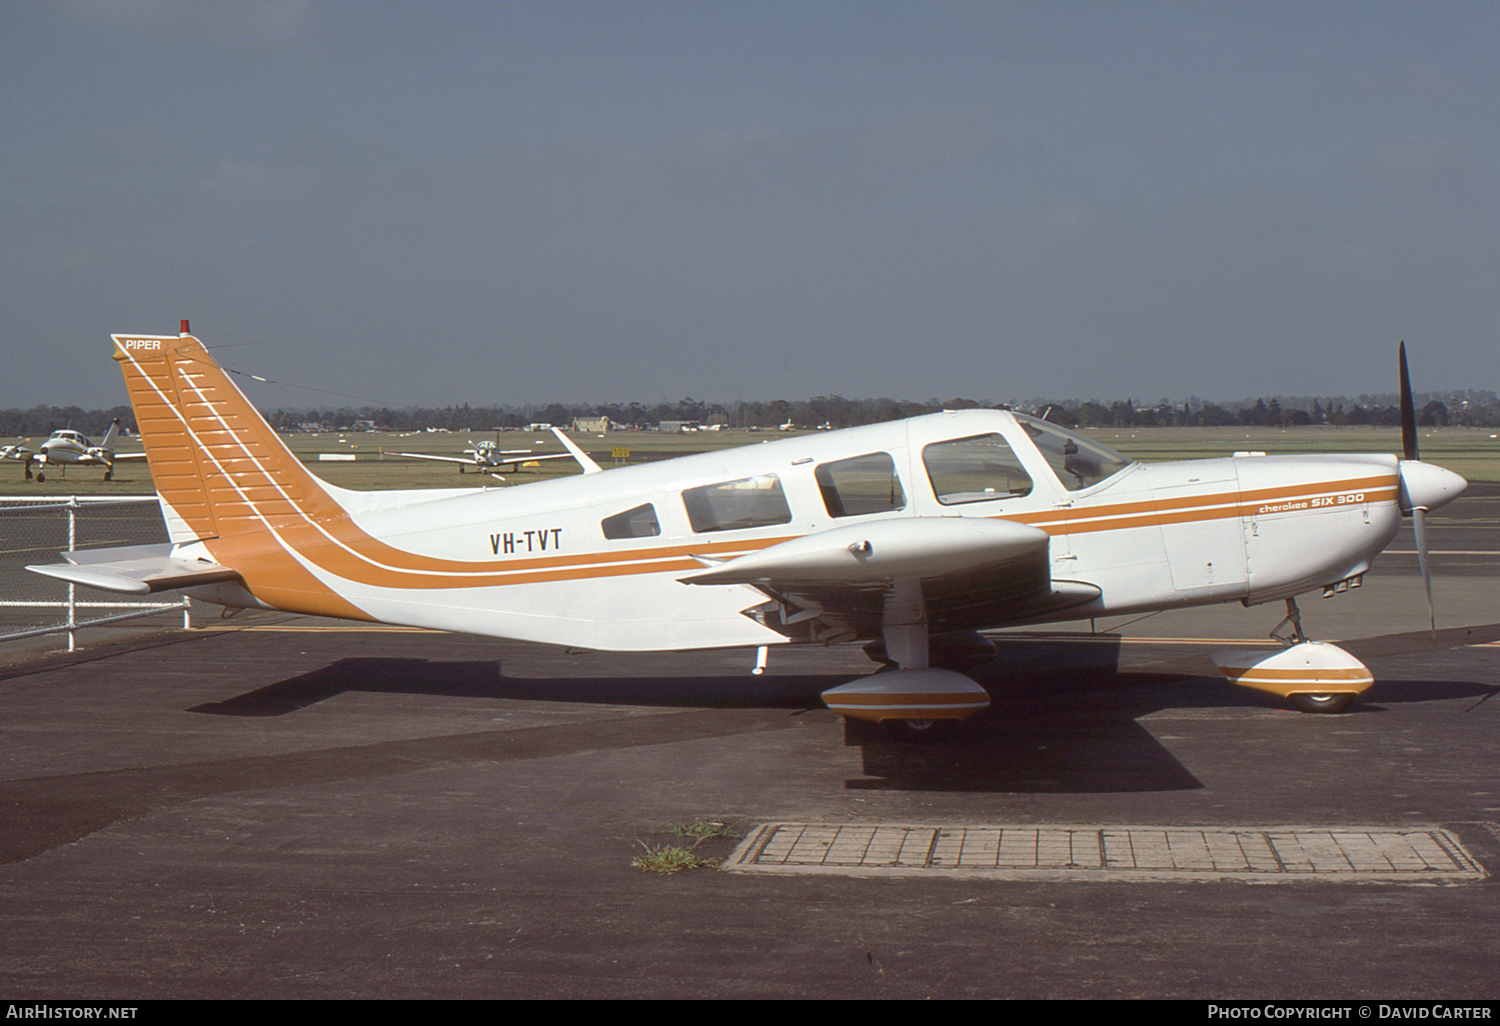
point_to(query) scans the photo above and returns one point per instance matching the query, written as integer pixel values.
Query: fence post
(72, 596)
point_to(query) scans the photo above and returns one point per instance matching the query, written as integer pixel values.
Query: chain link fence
(34, 531)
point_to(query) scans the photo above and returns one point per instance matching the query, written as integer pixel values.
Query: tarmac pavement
(284, 807)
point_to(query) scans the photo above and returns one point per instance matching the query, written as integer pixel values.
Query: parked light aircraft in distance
(909, 535)
(68, 448)
(487, 457)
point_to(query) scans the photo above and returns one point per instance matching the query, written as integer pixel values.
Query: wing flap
(135, 570)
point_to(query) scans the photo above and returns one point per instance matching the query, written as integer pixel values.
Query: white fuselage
(64, 447)
(534, 562)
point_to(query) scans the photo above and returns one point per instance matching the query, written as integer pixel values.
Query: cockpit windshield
(1077, 461)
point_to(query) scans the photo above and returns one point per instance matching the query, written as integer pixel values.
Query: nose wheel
(1335, 703)
(1314, 676)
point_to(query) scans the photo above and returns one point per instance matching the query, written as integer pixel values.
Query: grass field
(1472, 452)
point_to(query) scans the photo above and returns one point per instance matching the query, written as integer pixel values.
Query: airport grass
(366, 462)
(1471, 452)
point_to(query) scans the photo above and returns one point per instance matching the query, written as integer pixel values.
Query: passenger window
(974, 470)
(735, 505)
(639, 522)
(862, 484)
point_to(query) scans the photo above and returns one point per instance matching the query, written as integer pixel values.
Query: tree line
(1467, 409)
(1265, 412)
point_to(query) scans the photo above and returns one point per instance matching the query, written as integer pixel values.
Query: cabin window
(735, 505)
(1077, 461)
(639, 522)
(975, 470)
(861, 484)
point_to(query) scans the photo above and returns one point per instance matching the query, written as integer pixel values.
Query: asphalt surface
(283, 807)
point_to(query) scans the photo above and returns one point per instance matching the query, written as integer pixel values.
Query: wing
(135, 569)
(522, 460)
(466, 460)
(583, 458)
(469, 461)
(852, 582)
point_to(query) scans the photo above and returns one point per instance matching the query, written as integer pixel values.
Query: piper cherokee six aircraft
(903, 535)
(487, 457)
(67, 447)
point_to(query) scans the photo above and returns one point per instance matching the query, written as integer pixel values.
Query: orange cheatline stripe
(1219, 505)
(1310, 674)
(646, 560)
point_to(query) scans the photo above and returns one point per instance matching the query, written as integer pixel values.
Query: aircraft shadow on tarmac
(1064, 719)
(1048, 731)
(481, 679)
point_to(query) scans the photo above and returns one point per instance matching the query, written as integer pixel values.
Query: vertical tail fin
(108, 441)
(220, 469)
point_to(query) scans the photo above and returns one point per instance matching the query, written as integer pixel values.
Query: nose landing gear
(1315, 676)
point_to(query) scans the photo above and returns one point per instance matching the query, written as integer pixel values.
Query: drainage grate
(1109, 853)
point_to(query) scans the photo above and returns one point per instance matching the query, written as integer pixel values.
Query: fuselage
(598, 561)
(65, 446)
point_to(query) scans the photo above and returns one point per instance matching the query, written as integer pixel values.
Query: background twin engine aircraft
(909, 536)
(66, 448)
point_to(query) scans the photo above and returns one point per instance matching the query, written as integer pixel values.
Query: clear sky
(499, 201)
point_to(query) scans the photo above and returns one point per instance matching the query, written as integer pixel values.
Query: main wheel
(920, 731)
(1323, 703)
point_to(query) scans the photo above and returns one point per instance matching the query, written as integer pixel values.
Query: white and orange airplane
(909, 536)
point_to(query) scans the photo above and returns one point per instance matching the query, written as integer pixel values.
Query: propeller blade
(1419, 528)
(1408, 412)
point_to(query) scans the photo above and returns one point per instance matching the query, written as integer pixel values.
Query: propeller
(1408, 411)
(1412, 503)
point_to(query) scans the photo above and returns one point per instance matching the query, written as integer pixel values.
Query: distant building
(595, 425)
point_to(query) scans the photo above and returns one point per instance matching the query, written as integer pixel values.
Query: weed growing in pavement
(669, 858)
